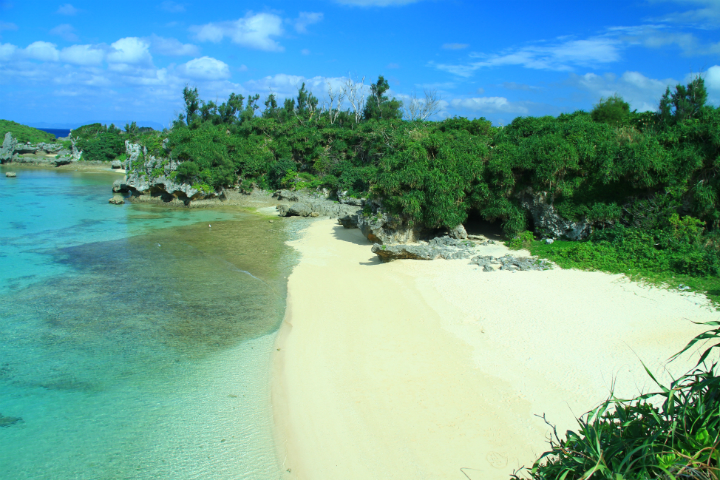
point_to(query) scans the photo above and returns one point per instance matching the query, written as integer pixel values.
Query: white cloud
(7, 51)
(305, 51)
(455, 46)
(172, 7)
(82, 55)
(712, 83)
(641, 92)
(252, 31)
(306, 18)
(489, 105)
(67, 9)
(172, 46)
(131, 51)
(205, 68)
(376, 3)
(559, 56)
(43, 51)
(66, 32)
(284, 85)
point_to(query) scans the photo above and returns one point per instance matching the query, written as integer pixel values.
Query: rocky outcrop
(307, 204)
(116, 164)
(440, 247)
(10, 174)
(548, 222)
(117, 200)
(8, 148)
(148, 175)
(458, 232)
(386, 228)
(343, 197)
(38, 153)
(510, 262)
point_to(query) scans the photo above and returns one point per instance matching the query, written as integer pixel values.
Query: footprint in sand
(496, 459)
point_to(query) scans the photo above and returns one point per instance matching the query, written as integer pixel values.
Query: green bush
(671, 434)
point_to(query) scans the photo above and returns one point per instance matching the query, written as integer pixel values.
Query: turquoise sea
(135, 340)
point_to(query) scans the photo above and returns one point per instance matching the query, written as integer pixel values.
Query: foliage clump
(671, 434)
(613, 110)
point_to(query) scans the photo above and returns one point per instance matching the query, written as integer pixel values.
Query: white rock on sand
(435, 370)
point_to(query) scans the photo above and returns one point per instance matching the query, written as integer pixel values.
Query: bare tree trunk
(353, 91)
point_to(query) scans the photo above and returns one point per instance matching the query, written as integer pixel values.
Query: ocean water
(135, 340)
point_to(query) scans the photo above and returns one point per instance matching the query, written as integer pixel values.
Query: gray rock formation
(510, 262)
(117, 200)
(458, 232)
(116, 164)
(548, 222)
(148, 175)
(8, 148)
(10, 174)
(76, 154)
(307, 204)
(440, 247)
(388, 229)
(343, 198)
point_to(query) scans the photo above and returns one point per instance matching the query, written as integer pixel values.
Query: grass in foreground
(638, 440)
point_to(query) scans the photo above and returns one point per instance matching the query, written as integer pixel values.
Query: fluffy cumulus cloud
(82, 55)
(643, 93)
(7, 51)
(486, 105)
(43, 51)
(257, 31)
(172, 47)
(130, 51)
(65, 31)
(712, 83)
(205, 68)
(305, 19)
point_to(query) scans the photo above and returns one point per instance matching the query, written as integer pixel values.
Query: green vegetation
(671, 434)
(25, 134)
(102, 143)
(647, 182)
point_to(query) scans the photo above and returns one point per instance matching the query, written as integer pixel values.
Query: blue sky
(66, 64)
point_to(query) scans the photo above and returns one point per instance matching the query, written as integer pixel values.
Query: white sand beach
(437, 370)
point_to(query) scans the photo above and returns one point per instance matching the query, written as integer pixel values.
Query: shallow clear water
(134, 340)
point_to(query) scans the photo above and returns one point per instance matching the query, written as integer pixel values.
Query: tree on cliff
(379, 106)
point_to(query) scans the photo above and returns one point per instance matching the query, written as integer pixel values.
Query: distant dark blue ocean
(58, 132)
(135, 341)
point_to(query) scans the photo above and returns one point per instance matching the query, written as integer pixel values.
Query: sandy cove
(435, 370)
